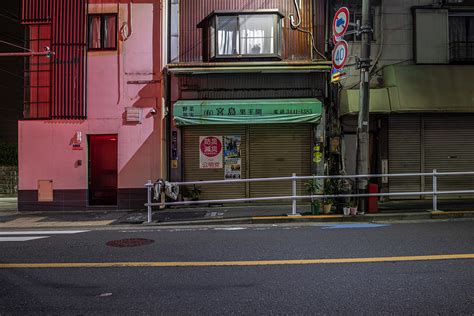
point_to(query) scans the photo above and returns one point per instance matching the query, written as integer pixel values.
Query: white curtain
(257, 34)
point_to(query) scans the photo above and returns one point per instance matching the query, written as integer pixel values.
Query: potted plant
(353, 207)
(327, 205)
(346, 210)
(312, 187)
(190, 194)
(195, 193)
(330, 187)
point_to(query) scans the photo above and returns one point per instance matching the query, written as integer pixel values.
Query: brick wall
(8, 179)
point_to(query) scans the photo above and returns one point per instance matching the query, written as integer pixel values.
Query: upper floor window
(461, 37)
(102, 32)
(244, 35)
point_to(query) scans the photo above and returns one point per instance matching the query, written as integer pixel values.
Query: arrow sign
(340, 22)
(339, 54)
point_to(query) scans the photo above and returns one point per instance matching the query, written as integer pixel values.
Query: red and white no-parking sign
(340, 22)
(339, 54)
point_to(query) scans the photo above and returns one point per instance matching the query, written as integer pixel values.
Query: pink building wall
(127, 77)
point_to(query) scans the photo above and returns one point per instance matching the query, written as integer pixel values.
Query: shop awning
(257, 111)
(419, 89)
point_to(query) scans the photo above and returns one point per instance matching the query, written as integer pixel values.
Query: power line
(12, 74)
(17, 46)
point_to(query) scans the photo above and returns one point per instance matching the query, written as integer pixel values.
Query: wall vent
(133, 115)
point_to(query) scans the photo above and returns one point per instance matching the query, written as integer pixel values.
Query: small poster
(232, 168)
(232, 159)
(210, 152)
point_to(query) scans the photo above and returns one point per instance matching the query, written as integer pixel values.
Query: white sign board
(339, 54)
(210, 152)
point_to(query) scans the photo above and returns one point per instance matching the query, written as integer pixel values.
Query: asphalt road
(271, 269)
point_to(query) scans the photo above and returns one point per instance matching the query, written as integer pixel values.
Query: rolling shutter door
(278, 150)
(191, 169)
(404, 154)
(449, 147)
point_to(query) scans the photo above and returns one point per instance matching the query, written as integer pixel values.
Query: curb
(433, 215)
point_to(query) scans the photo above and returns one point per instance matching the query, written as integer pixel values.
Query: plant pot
(346, 210)
(315, 209)
(327, 208)
(353, 211)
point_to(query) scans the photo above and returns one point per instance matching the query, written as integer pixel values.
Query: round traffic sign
(340, 22)
(339, 54)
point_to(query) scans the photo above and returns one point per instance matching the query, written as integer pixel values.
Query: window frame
(211, 22)
(102, 31)
(468, 15)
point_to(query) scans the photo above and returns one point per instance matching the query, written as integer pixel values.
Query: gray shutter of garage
(278, 150)
(449, 147)
(404, 154)
(191, 169)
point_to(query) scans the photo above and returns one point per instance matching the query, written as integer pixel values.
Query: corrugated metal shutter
(404, 153)
(278, 150)
(449, 147)
(191, 169)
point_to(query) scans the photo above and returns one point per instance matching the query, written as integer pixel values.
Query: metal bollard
(293, 207)
(149, 187)
(435, 188)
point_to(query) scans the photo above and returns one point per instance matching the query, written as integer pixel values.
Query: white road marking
(13, 235)
(230, 228)
(27, 238)
(42, 232)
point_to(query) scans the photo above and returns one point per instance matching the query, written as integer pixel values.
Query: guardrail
(294, 197)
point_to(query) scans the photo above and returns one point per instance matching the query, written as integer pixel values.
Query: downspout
(296, 26)
(125, 33)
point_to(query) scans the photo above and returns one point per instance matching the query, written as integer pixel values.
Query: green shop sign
(258, 111)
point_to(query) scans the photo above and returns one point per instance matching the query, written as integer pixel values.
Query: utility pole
(363, 122)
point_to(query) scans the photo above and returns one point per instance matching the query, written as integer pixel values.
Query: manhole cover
(132, 242)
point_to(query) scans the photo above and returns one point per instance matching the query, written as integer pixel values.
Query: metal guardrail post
(435, 188)
(293, 206)
(149, 186)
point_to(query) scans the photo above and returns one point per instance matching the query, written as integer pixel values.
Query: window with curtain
(102, 32)
(244, 35)
(461, 38)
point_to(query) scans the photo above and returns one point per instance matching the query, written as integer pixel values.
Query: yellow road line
(232, 263)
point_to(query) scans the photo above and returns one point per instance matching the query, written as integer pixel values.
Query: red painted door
(103, 169)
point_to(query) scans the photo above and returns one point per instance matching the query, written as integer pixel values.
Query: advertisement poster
(232, 160)
(210, 152)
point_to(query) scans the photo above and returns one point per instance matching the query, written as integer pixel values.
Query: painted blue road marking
(342, 226)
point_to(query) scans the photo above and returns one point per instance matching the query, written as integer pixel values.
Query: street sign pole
(363, 120)
(340, 52)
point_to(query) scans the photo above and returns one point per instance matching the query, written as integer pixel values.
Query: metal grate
(461, 52)
(69, 45)
(36, 11)
(37, 101)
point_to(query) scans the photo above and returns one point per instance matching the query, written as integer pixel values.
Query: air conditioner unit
(133, 115)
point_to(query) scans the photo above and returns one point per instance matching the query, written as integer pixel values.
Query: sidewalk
(214, 215)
